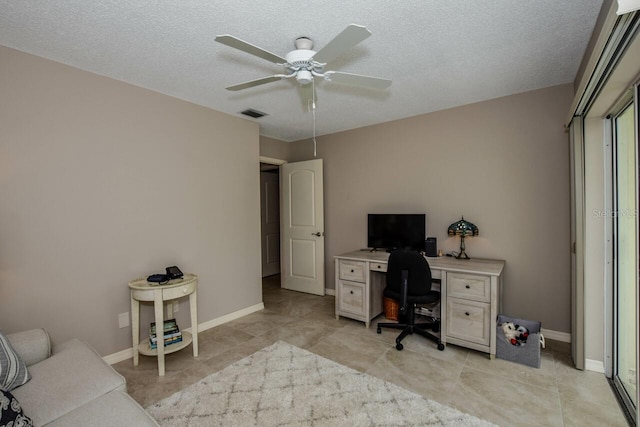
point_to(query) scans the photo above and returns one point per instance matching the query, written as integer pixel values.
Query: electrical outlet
(123, 320)
(176, 307)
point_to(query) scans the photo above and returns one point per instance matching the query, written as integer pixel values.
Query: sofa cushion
(112, 409)
(13, 371)
(73, 376)
(11, 413)
(32, 346)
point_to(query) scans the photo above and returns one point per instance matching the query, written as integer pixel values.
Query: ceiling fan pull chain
(313, 112)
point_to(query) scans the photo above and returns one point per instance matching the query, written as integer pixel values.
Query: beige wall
(274, 148)
(102, 182)
(503, 164)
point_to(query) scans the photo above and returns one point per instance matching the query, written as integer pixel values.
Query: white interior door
(270, 222)
(302, 201)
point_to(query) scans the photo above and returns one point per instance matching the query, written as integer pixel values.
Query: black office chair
(409, 282)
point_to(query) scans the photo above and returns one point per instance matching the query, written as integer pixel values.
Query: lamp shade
(463, 228)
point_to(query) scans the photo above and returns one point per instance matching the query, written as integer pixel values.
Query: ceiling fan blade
(357, 80)
(242, 45)
(308, 97)
(348, 38)
(253, 83)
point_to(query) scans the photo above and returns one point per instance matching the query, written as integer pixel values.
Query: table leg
(158, 307)
(193, 308)
(135, 329)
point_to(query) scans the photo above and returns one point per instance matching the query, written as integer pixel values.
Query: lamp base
(462, 254)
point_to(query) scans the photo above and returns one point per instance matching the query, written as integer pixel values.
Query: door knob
(317, 234)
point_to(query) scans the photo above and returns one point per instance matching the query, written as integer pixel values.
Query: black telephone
(173, 272)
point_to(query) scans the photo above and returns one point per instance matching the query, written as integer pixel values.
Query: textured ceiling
(439, 54)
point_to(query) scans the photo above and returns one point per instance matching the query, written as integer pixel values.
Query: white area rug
(283, 385)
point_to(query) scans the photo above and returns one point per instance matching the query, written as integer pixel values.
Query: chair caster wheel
(399, 346)
(440, 346)
(379, 330)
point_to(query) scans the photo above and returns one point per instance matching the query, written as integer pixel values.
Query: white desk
(141, 290)
(470, 295)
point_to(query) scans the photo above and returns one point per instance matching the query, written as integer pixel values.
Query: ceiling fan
(304, 63)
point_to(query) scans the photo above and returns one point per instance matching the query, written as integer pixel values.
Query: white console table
(470, 295)
(141, 290)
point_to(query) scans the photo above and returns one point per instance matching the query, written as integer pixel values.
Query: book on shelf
(174, 340)
(167, 337)
(169, 326)
(171, 334)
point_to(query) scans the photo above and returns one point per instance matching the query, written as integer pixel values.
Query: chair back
(419, 281)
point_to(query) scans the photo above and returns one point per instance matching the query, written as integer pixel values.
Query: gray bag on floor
(527, 354)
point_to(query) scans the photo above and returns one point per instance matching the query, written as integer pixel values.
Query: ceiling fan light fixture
(304, 77)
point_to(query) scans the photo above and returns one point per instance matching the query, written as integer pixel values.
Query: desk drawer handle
(351, 292)
(352, 271)
(466, 313)
(467, 286)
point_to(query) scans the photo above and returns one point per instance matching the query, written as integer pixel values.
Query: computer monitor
(396, 231)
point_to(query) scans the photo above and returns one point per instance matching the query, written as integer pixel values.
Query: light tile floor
(505, 393)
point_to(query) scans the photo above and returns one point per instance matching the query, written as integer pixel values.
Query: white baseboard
(589, 364)
(555, 335)
(330, 291)
(228, 317)
(594, 365)
(119, 356)
(128, 353)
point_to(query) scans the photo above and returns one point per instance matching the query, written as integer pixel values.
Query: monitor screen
(396, 231)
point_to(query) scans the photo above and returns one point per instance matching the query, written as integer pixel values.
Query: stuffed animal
(515, 334)
(522, 333)
(510, 332)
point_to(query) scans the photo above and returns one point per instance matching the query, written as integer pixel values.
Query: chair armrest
(32, 346)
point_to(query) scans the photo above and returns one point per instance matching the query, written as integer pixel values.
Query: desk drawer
(469, 286)
(469, 320)
(354, 271)
(378, 266)
(382, 267)
(351, 297)
(178, 292)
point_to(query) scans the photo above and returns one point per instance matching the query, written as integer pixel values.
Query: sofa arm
(32, 346)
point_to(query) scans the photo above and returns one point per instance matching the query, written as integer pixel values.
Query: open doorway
(295, 250)
(270, 218)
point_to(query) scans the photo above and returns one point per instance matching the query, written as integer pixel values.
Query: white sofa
(72, 385)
